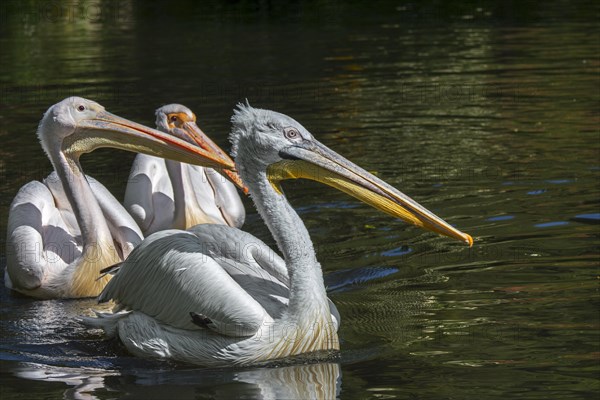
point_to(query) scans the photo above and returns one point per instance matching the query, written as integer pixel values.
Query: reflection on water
(305, 381)
(487, 115)
(83, 384)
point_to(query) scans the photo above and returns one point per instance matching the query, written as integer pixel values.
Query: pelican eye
(291, 133)
(81, 108)
(173, 118)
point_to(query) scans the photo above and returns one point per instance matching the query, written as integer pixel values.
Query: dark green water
(486, 113)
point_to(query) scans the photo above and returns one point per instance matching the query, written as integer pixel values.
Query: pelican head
(173, 116)
(180, 121)
(76, 126)
(284, 149)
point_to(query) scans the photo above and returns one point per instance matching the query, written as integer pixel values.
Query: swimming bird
(166, 194)
(214, 295)
(62, 231)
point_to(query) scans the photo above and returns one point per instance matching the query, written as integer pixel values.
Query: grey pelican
(64, 230)
(166, 194)
(214, 295)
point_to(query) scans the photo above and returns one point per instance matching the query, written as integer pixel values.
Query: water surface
(486, 114)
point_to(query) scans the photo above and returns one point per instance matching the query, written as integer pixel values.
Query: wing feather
(222, 241)
(227, 199)
(149, 194)
(39, 242)
(169, 275)
(123, 228)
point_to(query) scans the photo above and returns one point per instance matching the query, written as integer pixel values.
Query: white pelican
(214, 295)
(63, 231)
(165, 194)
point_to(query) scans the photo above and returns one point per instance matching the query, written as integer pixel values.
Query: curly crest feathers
(246, 121)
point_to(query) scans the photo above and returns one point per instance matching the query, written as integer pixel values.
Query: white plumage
(164, 194)
(64, 230)
(214, 295)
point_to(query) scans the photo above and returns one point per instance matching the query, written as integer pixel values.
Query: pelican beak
(191, 132)
(313, 160)
(109, 130)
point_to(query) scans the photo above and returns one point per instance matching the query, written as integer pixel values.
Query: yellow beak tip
(469, 239)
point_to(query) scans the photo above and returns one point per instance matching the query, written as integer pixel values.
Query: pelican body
(216, 296)
(64, 230)
(166, 194)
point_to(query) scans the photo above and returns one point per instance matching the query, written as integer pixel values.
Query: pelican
(165, 194)
(64, 230)
(216, 296)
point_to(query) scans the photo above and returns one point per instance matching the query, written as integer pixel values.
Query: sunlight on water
(486, 115)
